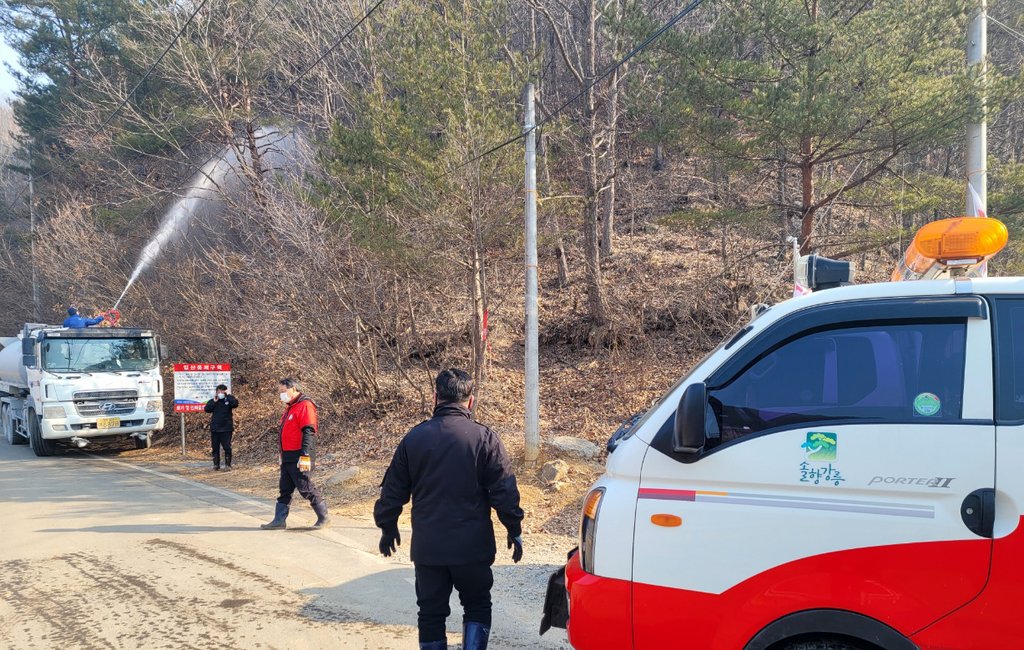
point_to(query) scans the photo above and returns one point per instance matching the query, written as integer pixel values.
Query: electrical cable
(330, 49)
(1019, 36)
(197, 168)
(259, 26)
(194, 139)
(124, 102)
(604, 75)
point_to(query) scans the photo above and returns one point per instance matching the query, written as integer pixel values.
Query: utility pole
(532, 423)
(977, 134)
(32, 236)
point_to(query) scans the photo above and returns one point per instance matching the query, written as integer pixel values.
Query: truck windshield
(99, 355)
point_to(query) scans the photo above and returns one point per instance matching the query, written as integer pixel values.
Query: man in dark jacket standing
(222, 425)
(455, 471)
(298, 448)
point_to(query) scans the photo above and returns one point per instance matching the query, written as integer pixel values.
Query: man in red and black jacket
(298, 447)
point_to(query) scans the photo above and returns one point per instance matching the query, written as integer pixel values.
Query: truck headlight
(154, 405)
(588, 528)
(54, 413)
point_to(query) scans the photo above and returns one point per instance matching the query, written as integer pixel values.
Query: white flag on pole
(979, 211)
(976, 202)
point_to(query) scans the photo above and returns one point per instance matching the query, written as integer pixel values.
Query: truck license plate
(108, 423)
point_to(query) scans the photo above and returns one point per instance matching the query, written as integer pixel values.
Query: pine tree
(821, 85)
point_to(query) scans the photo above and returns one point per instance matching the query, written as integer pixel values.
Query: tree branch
(558, 39)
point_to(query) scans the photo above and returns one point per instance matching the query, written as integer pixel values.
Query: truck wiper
(624, 429)
(53, 371)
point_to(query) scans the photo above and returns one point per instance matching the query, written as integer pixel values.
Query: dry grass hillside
(675, 296)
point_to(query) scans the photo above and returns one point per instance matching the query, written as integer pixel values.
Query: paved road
(98, 553)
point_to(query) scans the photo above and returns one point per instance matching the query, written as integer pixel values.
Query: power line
(604, 75)
(127, 98)
(653, 36)
(330, 49)
(194, 139)
(256, 30)
(248, 11)
(195, 169)
(1010, 30)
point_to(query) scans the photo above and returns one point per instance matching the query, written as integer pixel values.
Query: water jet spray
(219, 173)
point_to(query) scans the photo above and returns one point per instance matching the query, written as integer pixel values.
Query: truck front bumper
(137, 422)
(600, 610)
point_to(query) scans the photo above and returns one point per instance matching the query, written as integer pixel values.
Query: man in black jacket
(455, 470)
(222, 425)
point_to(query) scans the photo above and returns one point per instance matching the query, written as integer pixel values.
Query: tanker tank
(11, 370)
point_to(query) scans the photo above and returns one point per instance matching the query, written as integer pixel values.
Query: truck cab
(843, 472)
(79, 385)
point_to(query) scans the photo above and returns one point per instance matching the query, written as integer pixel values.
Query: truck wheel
(144, 443)
(40, 446)
(825, 644)
(7, 424)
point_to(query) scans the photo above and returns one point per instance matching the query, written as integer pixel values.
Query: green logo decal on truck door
(927, 404)
(821, 446)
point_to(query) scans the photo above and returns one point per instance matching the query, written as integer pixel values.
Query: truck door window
(895, 373)
(1010, 361)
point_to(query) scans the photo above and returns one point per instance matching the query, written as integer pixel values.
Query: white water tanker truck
(79, 385)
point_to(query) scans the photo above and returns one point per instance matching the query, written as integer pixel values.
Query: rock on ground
(343, 476)
(554, 471)
(575, 447)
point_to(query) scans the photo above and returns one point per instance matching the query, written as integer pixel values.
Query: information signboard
(196, 383)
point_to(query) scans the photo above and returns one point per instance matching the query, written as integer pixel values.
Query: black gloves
(390, 540)
(516, 541)
(308, 445)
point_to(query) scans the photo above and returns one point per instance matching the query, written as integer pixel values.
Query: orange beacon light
(961, 244)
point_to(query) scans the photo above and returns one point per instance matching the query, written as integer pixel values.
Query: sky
(7, 83)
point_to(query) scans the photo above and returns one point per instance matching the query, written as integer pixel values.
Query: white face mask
(285, 398)
(220, 395)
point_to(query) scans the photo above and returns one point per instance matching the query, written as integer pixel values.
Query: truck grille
(101, 403)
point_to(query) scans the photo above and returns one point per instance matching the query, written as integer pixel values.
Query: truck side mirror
(690, 433)
(28, 352)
